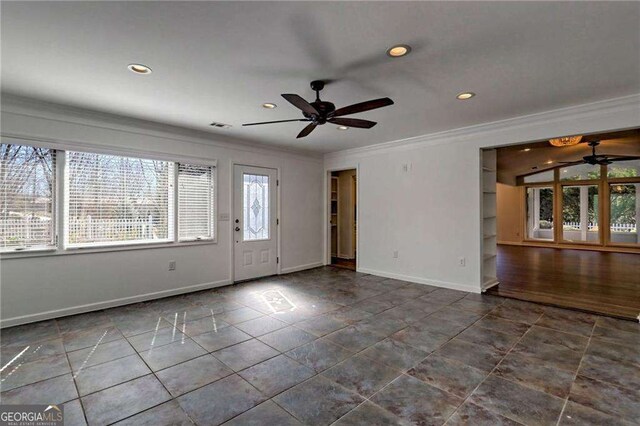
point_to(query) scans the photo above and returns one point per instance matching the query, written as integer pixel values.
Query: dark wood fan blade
(353, 122)
(278, 121)
(362, 106)
(621, 158)
(300, 103)
(306, 130)
(570, 163)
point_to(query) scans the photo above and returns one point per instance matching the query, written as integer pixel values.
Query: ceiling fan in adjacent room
(600, 159)
(321, 112)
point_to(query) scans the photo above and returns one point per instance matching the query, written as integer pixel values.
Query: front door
(255, 232)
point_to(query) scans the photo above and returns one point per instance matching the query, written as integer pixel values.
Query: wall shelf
(489, 219)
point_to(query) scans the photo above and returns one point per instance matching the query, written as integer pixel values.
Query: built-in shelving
(489, 219)
(334, 216)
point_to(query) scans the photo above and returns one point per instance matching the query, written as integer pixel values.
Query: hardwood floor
(603, 283)
(344, 263)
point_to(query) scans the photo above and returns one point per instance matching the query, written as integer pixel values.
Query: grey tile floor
(328, 346)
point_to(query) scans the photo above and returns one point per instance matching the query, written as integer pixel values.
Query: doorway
(343, 218)
(255, 223)
(564, 214)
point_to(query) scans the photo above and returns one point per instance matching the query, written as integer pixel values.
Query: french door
(255, 222)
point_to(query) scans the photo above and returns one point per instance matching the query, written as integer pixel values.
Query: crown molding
(29, 107)
(626, 104)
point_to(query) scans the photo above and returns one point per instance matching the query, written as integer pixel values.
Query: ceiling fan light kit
(320, 112)
(565, 141)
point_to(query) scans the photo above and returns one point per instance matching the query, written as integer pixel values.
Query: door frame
(232, 266)
(326, 221)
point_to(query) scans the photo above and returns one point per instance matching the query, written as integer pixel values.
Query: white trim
(301, 267)
(104, 249)
(326, 221)
(232, 205)
(95, 148)
(629, 104)
(444, 284)
(34, 108)
(486, 286)
(90, 307)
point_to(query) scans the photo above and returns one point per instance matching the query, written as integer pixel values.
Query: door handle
(237, 229)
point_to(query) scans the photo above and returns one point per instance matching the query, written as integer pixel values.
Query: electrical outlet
(395, 254)
(172, 265)
(462, 261)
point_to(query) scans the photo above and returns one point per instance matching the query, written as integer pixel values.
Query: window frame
(58, 157)
(171, 212)
(214, 190)
(61, 148)
(604, 209)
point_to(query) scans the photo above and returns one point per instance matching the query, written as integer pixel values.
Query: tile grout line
(404, 372)
(491, 372)
(575, 376)
(73, 379)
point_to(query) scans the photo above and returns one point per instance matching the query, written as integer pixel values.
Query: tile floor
(328, 346)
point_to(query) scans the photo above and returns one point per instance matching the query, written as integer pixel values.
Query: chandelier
(565, 141)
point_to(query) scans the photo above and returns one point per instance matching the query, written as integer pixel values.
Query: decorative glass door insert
(255, 207)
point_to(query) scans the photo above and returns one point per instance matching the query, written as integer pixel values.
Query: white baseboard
(24, 319)
(301, 267)
(419, 280)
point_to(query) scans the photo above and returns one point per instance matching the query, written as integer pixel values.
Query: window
(624, 169)
(256, 207)
(580, 213)
(27, 197)
(107, 200)
(540, 213)
(539, 177)
(624, 213)
(195, 202)
(580, 172)
(112, 200)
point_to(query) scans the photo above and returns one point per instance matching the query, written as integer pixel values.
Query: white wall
(431, 213)
(34, 288)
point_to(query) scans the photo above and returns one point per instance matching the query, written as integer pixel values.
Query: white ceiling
(219, 61)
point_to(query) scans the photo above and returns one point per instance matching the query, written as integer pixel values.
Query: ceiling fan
(322, 112)
(600, 159)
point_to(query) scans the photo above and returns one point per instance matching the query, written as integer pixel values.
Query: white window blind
(195, 202)
(27, 192)
(111, 200)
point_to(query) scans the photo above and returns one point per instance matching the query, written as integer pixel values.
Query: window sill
(103, 249)
(117, 244)
(28, 250)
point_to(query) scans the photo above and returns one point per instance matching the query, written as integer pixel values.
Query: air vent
(221, 125)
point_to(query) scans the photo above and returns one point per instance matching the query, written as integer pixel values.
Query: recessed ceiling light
(527, 149)
(269, 105)
(399, 50)
(343, 128)
(139, 68)
(549, 162)
(465, 95)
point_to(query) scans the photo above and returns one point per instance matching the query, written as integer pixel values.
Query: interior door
(255, 232)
